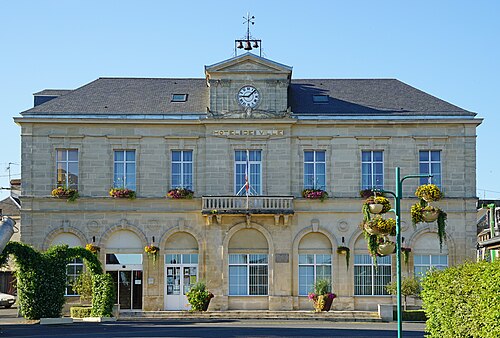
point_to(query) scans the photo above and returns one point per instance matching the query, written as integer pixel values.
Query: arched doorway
(124, 262)
(181, 269)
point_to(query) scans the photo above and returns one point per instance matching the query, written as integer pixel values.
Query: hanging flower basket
(380, 226)
(63, 192)
(93, 248)
(180, 193)
(315, 194)
(378, 204)
(341, 250)
(152, 251)
(386, 248)
(430, 216)
(122, 193)
(429, 192)
(406, 254)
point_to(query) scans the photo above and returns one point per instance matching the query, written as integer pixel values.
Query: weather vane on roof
(248, 43)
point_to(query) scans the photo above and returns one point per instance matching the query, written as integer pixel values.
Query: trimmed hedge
(463, 301)
(103, 295)
(80, 311)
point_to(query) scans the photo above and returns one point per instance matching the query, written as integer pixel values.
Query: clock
(248, 97)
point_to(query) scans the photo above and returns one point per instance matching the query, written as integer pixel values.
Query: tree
(410, 287)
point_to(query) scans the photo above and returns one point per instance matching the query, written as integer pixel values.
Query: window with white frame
(424, 263)
(372, 169)
(124, 169)
(182, 169)
(67, 168)
(73, 271)
(248, 274)
(368, 280)
(430, 164)
(248, 168)
(313, 267)
(315, 169)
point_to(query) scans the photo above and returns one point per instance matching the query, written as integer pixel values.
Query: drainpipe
(491, 207)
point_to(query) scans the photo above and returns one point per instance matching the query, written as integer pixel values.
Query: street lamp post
(398, 195)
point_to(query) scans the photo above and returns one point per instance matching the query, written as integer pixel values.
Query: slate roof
(152, 96)
(52, 92)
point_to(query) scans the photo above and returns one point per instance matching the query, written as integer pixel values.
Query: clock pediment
(247, 64)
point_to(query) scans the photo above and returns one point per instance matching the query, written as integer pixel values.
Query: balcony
(277, 206)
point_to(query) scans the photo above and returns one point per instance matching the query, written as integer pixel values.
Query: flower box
(315, 194)
(180, 193)
(386, 248)
(66, 193)
(122, 193)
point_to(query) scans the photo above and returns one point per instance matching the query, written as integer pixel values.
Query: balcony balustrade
(216, 206)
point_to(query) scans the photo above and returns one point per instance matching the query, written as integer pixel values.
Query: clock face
(248, 96)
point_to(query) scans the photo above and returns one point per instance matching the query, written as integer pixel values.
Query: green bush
(80, 311)
(103, 295)
(463, 301)
(410, 287)
(41, 277)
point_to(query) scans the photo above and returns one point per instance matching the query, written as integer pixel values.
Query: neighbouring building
(246, 120)
(11, 207)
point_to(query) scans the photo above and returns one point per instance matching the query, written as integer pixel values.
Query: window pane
(306, 259)
(188, 156)
(306, 279)
(423, 155)
(130, 155)
(237, 259)
(435, 156)
(119, 156)
(308, 156)
(320, 156)
(176, 155)
(377, 156)
(237, 280)
(366, 156)
(323, 259)
(73, 155)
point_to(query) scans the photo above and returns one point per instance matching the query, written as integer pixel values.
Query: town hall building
(246, 138)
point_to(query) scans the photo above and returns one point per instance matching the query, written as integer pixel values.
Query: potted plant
(423, 212)
(429, 192)
(343, 250)
(321, 296)
(180, 193)
(377, 204)
(199, 297)
(122, 193)
(314, 194)
(64, 192)
(152, 251)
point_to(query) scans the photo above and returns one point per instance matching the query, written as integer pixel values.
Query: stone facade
(152, 219)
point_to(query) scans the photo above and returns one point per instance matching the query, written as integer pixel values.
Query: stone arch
(295, 254)
(123, 225)
(448, 240)
(49, 239)
(225, 253)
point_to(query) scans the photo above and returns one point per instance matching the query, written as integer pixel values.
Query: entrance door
(126, 271)
(128, 288)
(181, 272)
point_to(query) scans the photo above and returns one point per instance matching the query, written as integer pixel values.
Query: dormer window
(179, 98)
(320, 98)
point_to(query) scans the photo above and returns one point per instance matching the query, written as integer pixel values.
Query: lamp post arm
(415, 176)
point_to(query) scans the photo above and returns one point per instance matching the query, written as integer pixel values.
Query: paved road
(11, 327)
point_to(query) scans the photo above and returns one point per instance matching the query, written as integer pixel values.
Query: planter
(323, 302)
(430, 216)
(376, 208)
(386, 248)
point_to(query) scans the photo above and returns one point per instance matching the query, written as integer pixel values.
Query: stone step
(341, 316)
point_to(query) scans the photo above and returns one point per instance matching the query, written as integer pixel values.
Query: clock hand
(250, 93)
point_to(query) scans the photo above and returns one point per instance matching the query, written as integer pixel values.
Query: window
(67, 168)
(248, 164)
(320, 98)
(423, 263)
(369, 281)
(372, 169)
(430, 163)
(248, 274)
(311, 268)
(314, 170)
(73, 271)
(182, 169)
(124, 166)
(179, 98)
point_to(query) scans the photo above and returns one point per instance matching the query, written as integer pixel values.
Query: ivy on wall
(41, 279)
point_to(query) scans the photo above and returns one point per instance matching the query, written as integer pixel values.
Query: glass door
(126, 271)
(181, 272)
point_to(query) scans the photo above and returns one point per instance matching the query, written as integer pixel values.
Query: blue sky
(449, 49)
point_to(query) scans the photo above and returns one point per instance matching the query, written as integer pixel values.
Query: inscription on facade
(255, 132)
(281, 258)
